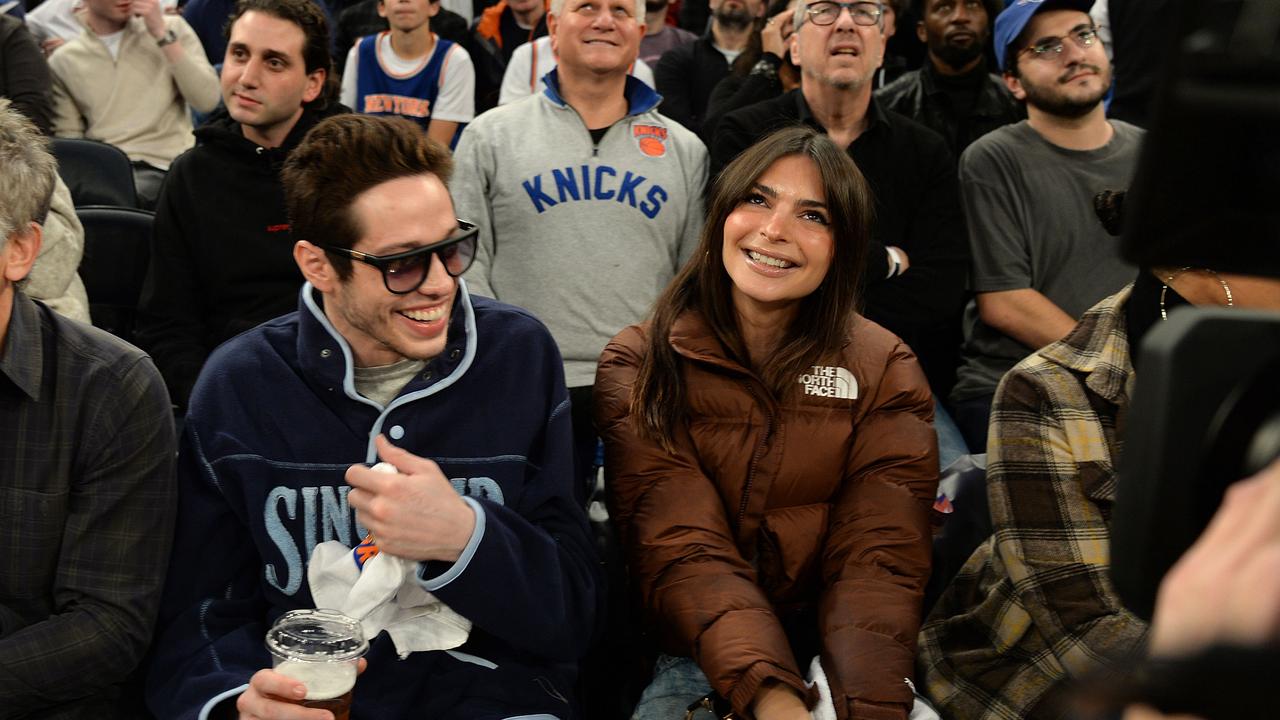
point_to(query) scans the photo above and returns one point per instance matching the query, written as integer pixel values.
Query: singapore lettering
(599, 182)
(325, 516)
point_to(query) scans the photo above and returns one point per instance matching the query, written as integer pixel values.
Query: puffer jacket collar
(693, 338)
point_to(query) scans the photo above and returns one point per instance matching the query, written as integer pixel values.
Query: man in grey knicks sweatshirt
(588, 200)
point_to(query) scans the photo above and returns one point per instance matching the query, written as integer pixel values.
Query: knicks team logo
(832, 382)
(651, 139)
(365, 551)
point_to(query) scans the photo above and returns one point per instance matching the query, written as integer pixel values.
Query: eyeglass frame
(464, 232)
(1060, 43)
(842, 6)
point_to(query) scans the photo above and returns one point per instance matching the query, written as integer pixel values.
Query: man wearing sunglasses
(914, 277)
(1040, 255)
(388, 358)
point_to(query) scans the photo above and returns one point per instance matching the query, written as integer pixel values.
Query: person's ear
(20, 251)
(315, 84)
(382, 8)
(921, 34)
(793, 46)
(1014, 84)
(315, 266)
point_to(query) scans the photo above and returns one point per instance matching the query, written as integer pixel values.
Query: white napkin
(384, 594)
(825, 710)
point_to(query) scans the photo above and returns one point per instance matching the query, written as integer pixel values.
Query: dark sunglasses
(404, 272)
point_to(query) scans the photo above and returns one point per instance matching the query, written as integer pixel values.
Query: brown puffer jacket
(820, 503)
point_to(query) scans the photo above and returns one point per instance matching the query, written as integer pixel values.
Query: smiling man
(953, 93)
(389, 358)
(1041, 257)
(914, 278)
(221, 255)
(588, 199)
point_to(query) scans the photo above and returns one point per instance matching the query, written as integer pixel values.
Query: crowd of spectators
(561, 261)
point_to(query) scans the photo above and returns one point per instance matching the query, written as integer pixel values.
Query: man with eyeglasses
(917, 258)
(953, 93)
(1040, 255)
(1033, 611)
(388, 358)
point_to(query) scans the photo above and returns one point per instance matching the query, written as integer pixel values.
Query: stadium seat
(96, 173)
(116, 246)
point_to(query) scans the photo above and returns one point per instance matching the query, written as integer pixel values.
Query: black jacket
(918, 95)
(221, 250)
(685, 77)
(917, 208)
(24, 75)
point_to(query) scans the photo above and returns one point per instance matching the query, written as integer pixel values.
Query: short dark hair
(822, 323)
(340, 158)
(307, 15)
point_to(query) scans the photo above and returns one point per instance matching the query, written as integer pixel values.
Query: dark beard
(736, 19)
(954, 56)
(1062, 106)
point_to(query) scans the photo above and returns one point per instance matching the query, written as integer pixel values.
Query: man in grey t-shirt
(1041, 257)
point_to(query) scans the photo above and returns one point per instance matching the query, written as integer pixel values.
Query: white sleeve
(642, 72)
(457, 98)
(515, 81)
(350, 76)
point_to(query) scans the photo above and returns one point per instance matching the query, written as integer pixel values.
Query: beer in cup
(321, 649)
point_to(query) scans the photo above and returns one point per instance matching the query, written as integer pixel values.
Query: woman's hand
(775, 701)
(773, 39)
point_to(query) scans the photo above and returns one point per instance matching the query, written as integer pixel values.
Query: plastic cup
(320, 648)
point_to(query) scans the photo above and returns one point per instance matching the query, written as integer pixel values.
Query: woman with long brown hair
(769, 454)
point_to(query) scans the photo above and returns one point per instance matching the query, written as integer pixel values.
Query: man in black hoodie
(221, 255)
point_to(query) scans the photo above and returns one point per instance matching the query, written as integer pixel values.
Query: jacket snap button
(454, 355)
(396, 432)
(326, 353)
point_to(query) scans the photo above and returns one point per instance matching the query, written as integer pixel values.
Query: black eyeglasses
(405, 272)
(826, 12)
(1051, 48)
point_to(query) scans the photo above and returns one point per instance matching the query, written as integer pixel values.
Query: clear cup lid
(317, 636)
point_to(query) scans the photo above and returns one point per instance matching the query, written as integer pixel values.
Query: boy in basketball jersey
(410, 71)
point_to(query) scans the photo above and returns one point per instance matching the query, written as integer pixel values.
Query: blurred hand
(51, 44)
(152, 13)
(415, 513)
(773, 39)
(1226, 588)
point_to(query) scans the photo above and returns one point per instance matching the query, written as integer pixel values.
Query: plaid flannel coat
(1034, 607)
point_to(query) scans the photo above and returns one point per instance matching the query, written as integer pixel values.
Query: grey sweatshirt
(585, 237)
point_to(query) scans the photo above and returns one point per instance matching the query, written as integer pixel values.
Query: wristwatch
(169, 38)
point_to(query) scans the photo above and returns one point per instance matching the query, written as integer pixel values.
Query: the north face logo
(833, 382)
